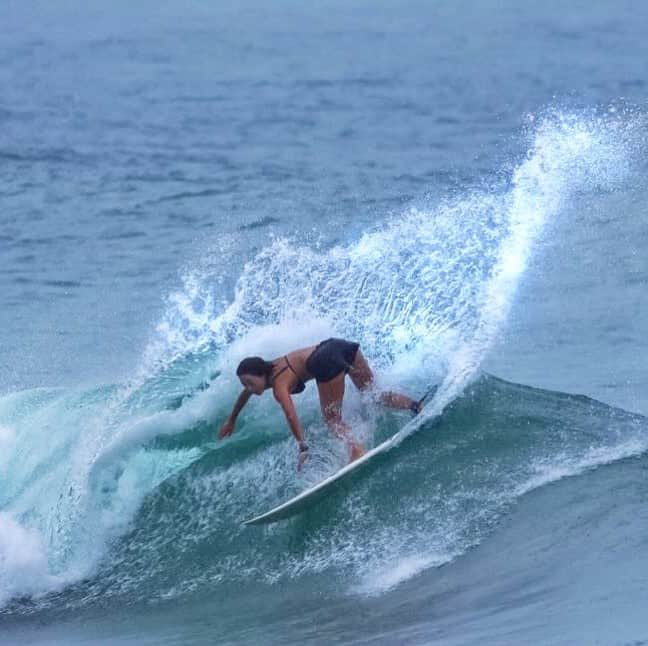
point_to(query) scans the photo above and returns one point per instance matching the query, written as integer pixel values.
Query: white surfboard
(309, 496)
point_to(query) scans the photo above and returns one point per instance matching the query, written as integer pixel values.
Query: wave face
(423, 504)
(117, 491)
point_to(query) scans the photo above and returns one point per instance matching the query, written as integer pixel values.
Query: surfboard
(310, 496)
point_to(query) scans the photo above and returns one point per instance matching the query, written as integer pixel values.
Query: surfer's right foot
(357, 451)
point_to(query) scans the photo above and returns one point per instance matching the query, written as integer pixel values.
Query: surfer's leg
(363, 378)
(331, 394)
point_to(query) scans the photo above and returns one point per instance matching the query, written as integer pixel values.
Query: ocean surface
(459, 186)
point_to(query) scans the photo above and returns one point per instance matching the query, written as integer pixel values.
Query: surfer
(328, 363)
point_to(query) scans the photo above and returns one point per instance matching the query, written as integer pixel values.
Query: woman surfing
(328, 363)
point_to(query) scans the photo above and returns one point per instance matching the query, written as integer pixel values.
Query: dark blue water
(460, 187)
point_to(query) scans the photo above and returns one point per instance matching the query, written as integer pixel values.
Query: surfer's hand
(226, 429)
(303, 456)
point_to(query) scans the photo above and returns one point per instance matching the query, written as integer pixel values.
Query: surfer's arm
(286, 403)
(228, 427)
(240, 402)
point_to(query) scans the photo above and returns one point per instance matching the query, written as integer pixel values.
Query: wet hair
(254, 366)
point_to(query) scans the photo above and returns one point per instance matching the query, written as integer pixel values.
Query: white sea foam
(7, 438)
(402, 569)
(557, 467)
(23, 561)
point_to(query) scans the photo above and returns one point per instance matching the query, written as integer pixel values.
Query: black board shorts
(330, 358)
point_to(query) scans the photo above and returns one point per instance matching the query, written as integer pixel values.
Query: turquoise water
(460, 189)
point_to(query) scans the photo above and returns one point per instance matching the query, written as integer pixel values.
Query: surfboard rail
(307, 497)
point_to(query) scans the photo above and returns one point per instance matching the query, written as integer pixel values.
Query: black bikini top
(299, 387)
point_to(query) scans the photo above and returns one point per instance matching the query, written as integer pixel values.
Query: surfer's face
(253, 383)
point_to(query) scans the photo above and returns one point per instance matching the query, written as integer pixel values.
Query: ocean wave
(122, 488)
(442, 491)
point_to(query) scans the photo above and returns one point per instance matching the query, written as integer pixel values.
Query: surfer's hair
(254, 366)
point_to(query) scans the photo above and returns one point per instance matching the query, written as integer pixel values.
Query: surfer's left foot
(416, 407)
